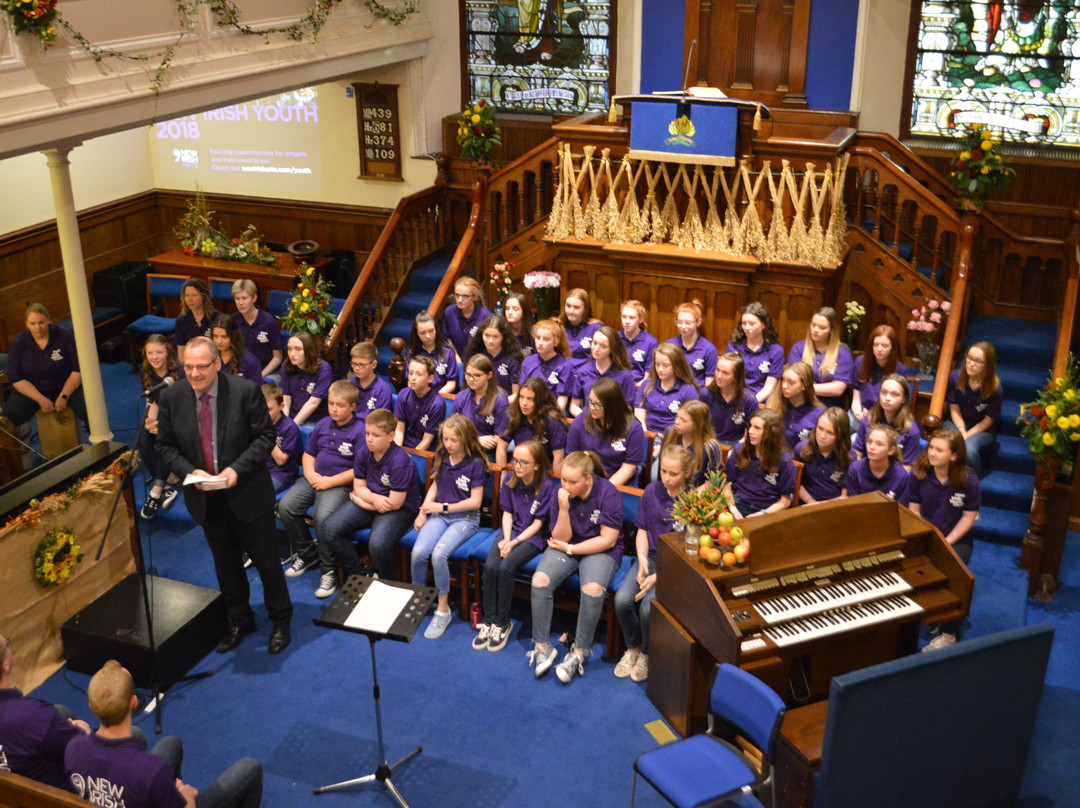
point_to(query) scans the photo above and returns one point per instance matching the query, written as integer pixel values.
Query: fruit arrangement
(724, 544)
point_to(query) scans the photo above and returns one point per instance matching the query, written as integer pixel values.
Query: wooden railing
(460, 262)
(416, 228)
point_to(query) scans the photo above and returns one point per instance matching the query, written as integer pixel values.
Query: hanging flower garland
(37, 17)
(56, 556)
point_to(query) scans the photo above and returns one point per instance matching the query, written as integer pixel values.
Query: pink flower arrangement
(928, 319)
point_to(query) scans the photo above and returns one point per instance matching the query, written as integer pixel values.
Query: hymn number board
(380, 131)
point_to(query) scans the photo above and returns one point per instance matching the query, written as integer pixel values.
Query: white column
(67, 224)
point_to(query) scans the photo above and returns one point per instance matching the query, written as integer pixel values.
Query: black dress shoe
(233, 637)
(280, 639)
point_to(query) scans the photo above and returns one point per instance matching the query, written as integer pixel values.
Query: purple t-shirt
(729, 419)
(446, 366)
(301, 386)
(940, 505)
(580, 339)
(756, 488)
(155, 380)
(759, 365)
(558, 372)
(822, 476)
(714, 461)
(494, 424)
(661, 405)
(525, 507)
(249, 369)
(973, 407)
(799, 422)
(587, 375)
(640, 350)
(895, 483)
(701, 357)
(262, 337)
(188, 327)
(868, 390)
(654, 513)
(119, 771)
(507, 370)
(33, 737)
(46, 369)
(394, 472)
(291, 443)
(614, 453)
(845, 369)
(554, 435)
(910, 446)
(421, 415)
(334, 447)
(378, 395)
(455, 483)
(459, 329)
(602, 507)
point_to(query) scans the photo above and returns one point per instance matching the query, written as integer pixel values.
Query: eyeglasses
(975, 360)
(474, 376)
(200, 368)
(517, 461)
(595, 405)
(467, 296)
(362, 363)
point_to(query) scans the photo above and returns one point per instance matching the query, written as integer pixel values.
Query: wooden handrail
(404, 207)
(968, 225)
(900, 177)
(1068, 304)
(461, 254)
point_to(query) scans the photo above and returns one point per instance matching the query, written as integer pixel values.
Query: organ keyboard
(829, 589)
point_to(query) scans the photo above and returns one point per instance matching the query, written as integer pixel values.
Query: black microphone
(159, 386)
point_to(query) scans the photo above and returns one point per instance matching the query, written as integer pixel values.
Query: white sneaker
(640, 671)
(499, 636)
(327, 585)
(542, 657)
(438, 625)
(480, 641)
(571, 666)
(626, 664)
(942, 640)
(299, 567)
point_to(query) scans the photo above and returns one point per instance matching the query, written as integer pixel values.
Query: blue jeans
(157, 470)
(634, 615)
(239, 786)
(979, 447)
(499, 580)
(439, 536)
(291, 511)
(598, 568)
(386, 531)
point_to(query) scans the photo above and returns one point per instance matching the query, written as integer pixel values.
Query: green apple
(705, 540)
(736, 532)
(726, 520)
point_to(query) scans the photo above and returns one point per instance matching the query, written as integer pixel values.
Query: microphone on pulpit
(159, 386)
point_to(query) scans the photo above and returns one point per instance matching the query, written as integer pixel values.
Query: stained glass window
(1008, 64)
(551, 56)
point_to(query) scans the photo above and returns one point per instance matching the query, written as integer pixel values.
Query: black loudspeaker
(122, 286)
(188, 622)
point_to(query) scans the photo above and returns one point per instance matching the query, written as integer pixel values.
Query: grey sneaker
(499, 637)
(437, 627)
(641, 669)
(327, 585)
(626, 664)
(480, 641)
(542, 657)
(299, 567)
(571, 666)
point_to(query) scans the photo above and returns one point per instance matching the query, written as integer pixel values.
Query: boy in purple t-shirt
(284, 460)
(385, 497)
(420, 409)
(375, 392)
(324, 485)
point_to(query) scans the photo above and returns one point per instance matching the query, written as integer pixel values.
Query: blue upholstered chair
(705, 770)
(158, 287)
(221, 294)
(277, 303)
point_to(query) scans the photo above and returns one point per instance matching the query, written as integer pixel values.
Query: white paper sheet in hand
(378, 608)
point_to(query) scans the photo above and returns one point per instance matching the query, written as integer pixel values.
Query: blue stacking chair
(157, 287)
(424, 461)
(277, 303)
(706, 770)
(221, 293)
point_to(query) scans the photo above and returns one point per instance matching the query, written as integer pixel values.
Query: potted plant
(478, 132)
(698, 510)
(979, 170)
(311, 306)
(927, 321)
(1051, 423)
(853, 314)
(544, 286)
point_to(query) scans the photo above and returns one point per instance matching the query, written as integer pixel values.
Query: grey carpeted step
(1000, 526)
(1008, 490)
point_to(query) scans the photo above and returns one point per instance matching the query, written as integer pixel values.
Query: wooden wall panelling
(791, 294)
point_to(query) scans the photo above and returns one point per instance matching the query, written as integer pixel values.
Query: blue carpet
(492, 734)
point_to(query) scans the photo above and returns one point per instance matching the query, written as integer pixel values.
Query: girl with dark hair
(495, 340)
(426, 339)
(730, 401)
(827, 355)
(826, 456)
(754, 339)
(230, 344)
(608, 428)
(609, 361)
(760, 472)
(974, 397)
(306, 380)
(517, 312)
(483, 402)
(534, 416)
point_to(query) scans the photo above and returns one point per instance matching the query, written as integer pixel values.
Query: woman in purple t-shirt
(482, 401)
(974, 397)
(760, 472)
(517, 312)
(585, 532)
(827, 355)
(196, 314)
(667, 386)
(797, 403)
(754, 338)
(609, 361)
(633, 600)
(230, 344)
(306, 380)
(826, 456)
(693, 431)
(450, 513)
(534, 415)
(893, 408)
(495, 340)
(579, 324)
(526, 499)
(426, 339)
(730, 401)
(881, 357)
(946, 494)
(882, 469)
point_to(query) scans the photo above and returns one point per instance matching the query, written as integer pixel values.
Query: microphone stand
(155, 687)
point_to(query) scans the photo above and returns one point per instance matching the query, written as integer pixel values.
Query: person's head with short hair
(421, 373)
(37, 321)
(202, 361)
(363, 360)
(111, 694)
(379, 428)
(245, 295)
(341, 401)
(275, 400)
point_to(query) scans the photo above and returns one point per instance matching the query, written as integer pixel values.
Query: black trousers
(229, 537)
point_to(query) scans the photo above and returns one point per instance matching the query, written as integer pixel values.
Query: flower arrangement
(56, 556)
(543, 285)
(1051, 423)
(928, 319)
(310, 308)
(478, 131)
(500, 279)
(978, 170)
(199, 236)
(702, 509)
(37, 17)
(853, 314)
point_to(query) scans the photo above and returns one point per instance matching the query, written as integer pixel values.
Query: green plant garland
(394, 16)
(56, 556)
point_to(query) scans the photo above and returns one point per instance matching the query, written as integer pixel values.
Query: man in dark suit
(213, 422)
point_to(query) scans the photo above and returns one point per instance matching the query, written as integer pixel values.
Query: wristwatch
(63, 396)
(569, 549)
(446, 507)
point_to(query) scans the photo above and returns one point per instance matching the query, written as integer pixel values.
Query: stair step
(396, 328)
(1008, 490)
(1000, 526)
(1012, 330)
(1021, 382)
(1013, 455)
(411, 304)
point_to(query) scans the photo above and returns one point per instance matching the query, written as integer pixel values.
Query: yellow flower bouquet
(1051, 423)
(478, 131)
(311, 306)
(979, 170)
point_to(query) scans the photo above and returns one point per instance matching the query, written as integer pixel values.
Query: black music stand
(402, 630)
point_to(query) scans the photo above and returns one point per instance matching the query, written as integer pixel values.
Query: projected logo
(682, 132)
(188, 158)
